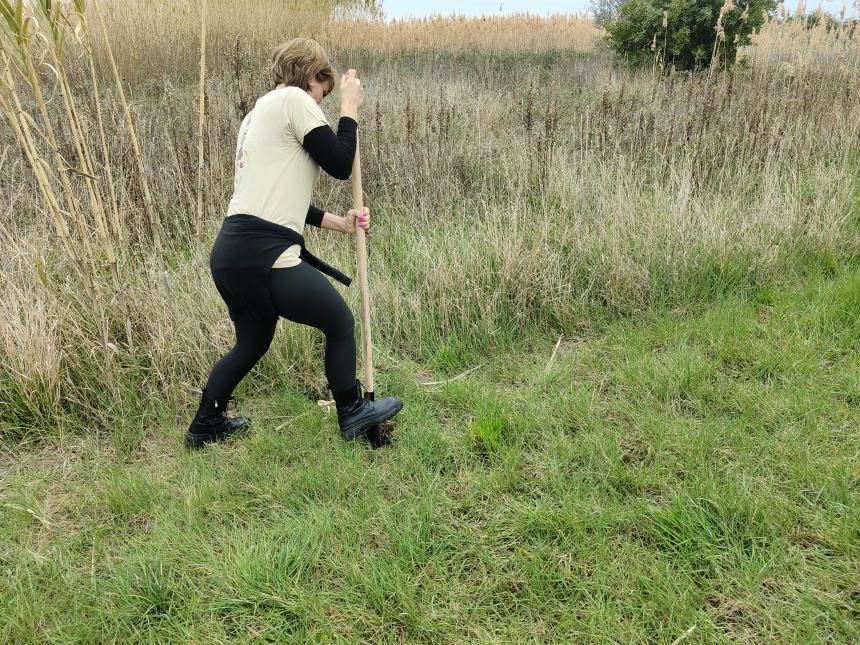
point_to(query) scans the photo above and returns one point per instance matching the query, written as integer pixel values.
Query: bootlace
(226, 405)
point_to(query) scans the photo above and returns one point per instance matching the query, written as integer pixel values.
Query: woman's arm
(346, 224)
(333, 153)
(333, 223)
(316, 217)
(321, 219)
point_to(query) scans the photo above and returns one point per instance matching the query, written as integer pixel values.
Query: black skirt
(242, 257)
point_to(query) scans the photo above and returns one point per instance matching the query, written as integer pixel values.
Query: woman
(259, 262)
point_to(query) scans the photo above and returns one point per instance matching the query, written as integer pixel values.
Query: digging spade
(378, 435)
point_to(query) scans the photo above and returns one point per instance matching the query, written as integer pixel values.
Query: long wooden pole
(358, 204)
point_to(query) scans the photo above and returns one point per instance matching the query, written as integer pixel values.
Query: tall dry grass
(795, 48)
(498, 34)
(162, 40)
(516, 193)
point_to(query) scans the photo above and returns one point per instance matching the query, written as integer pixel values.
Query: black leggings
(301, 294)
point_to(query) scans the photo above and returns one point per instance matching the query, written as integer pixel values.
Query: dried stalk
(201, 120)
(21, 127)
(154, 221)
(85, 158)
(117, 223)
(120, 234)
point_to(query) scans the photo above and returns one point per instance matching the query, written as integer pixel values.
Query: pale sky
(421, 8)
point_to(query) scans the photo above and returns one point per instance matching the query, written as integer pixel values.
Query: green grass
(680, 469)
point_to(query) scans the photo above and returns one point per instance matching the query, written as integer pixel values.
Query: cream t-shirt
(275, 175)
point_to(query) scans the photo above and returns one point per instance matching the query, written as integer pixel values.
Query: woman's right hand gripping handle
(351, 94)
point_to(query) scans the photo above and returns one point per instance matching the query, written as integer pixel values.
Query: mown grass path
(686, 470)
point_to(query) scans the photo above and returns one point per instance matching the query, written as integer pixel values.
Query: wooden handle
(358, 204)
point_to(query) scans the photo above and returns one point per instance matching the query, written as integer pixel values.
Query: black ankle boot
(355, 414)
(211, 422)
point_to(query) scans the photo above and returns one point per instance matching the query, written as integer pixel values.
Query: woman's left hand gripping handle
(357, 217)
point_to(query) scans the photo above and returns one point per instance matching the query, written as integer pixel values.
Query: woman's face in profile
(318, 90)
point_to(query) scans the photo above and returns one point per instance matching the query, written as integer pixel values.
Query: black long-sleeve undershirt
(314, 216)
(334, 153)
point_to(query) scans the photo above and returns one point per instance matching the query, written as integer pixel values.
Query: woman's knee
(341, 324)
(258, 348)
(331, 313)
(254, 337)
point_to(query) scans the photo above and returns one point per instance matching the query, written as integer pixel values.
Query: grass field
(691, 469)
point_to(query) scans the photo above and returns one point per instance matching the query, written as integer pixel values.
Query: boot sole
(195, 441)
(360, 429)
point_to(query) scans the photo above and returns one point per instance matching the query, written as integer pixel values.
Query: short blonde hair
(298, 60)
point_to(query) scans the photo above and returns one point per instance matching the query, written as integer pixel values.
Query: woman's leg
(304, 295)
(253, 338)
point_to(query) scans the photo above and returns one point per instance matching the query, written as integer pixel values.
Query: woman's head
(302, 62)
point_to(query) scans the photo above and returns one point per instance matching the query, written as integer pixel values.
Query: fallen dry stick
(455, 378)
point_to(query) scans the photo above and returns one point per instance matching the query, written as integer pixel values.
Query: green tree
(606, 10)
(688, 34)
